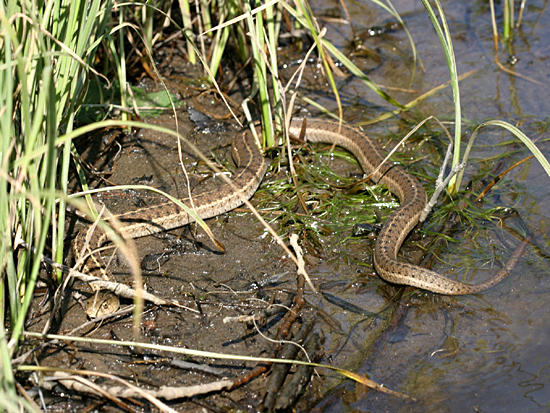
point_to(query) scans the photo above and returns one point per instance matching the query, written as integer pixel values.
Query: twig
(77, 383)
(440, 186)
(122, 290)
(500, 176)
(117, 288)
(163, 392)
(301, 270)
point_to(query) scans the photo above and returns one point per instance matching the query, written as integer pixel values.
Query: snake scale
(251, 167)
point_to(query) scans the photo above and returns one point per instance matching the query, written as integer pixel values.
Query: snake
(251, 167)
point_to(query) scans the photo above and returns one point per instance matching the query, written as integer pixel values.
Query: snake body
(412, 199)
(251, 166)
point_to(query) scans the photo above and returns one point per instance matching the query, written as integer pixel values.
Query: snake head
(102, 303)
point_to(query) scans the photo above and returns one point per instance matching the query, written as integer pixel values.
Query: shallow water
(487, 352)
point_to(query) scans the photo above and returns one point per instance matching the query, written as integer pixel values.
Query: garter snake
(251, 168)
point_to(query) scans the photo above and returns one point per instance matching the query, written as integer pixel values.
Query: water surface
(487, 352)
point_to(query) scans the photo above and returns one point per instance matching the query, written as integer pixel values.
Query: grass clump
(46, 51)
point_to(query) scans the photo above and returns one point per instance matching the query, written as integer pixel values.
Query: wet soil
(185, 265)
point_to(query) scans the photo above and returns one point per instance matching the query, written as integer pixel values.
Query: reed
(46, 50)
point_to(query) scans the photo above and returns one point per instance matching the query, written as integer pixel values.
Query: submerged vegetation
(65, 63)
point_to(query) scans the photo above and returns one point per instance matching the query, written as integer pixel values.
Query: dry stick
(125, 291)
(440, 186)
(261, 369)
(280, 371)
(115, 287)
(203, 368)
(288, 396)
(299, 255)
(291, 316)
(163, 392)
(66, 376)
(82, 385)
(500, 176)
(440, 183)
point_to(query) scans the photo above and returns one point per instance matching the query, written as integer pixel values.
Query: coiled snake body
(251, 168)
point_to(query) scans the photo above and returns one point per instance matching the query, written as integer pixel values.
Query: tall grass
(45, 51)
(254, 33)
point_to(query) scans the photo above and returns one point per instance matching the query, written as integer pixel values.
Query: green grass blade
(517, 133)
